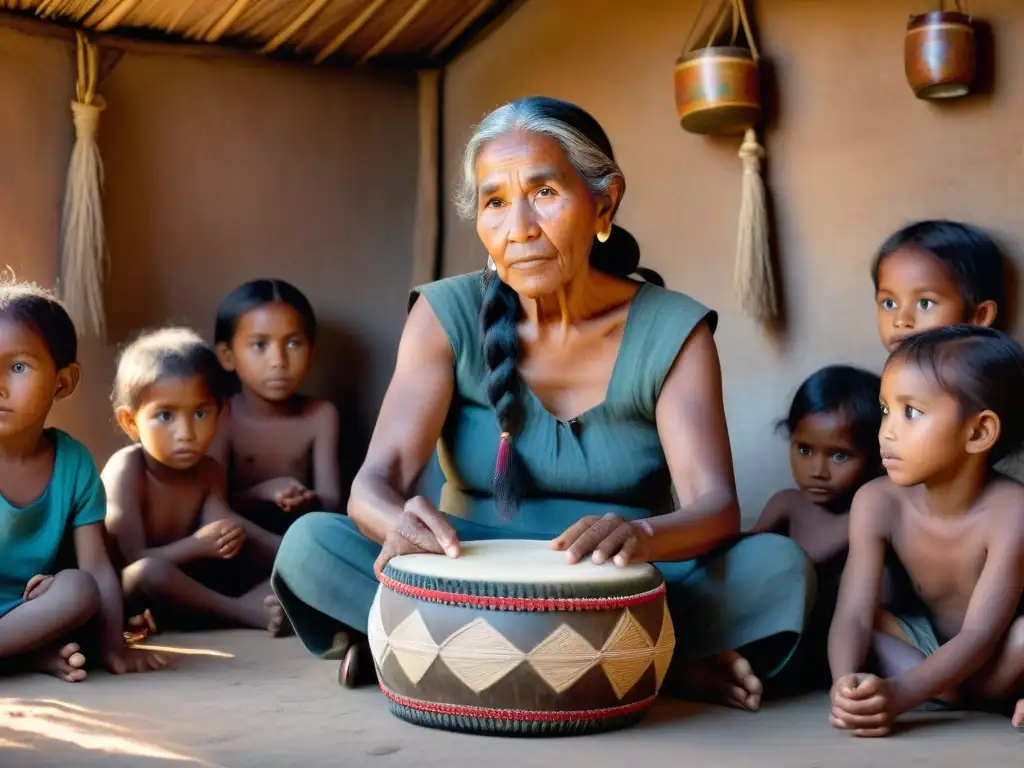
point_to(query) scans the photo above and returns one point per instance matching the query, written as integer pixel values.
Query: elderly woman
(596, 392)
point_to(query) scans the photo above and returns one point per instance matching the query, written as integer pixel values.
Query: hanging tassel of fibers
(83, 253)
(754, 281)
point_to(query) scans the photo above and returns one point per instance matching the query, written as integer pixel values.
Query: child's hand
(293, 496)
(864, 704)
(128, 660)
(36, 586)
(221, 539)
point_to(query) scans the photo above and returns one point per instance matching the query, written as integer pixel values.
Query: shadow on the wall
(339, 376)
(1007, 319)
(771, 117)
(985, 78)
(771, 96)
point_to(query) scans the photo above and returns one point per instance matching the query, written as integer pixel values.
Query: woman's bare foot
(63, 661)
(357, 668)
(723, 679)
(1018, 715)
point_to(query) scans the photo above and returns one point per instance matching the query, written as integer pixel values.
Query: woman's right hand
(421, 528)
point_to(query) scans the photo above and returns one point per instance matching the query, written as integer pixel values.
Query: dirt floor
(241, 698)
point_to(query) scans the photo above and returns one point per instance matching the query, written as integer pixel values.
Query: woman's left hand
(605, 538)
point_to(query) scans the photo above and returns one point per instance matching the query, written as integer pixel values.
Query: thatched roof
(413, 32)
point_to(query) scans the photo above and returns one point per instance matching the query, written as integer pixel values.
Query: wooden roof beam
(342, 37)
(223, 24)
(460, 26)
(407, 18)
(117, 14)
(296, 24)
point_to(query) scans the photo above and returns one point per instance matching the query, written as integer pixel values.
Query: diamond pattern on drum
(626, 654)
(563, 657)
(479, 655)
(664, 648)
(380, 647)
(413, 647)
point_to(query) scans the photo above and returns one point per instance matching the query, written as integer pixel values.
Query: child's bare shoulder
(319, 414)
(1006, 497)
(319, 409)
(879, 499)
(786, 501)
(126, 464)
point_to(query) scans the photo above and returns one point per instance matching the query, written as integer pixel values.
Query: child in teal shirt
(55, 573)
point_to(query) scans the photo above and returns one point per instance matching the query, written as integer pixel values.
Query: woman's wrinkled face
(535, 214)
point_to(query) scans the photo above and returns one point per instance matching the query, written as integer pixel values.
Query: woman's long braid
(498, 314)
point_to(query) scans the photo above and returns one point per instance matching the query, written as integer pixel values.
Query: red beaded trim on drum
(524, 715)
(524, 603)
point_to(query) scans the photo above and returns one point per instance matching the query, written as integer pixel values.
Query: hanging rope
(83, 253)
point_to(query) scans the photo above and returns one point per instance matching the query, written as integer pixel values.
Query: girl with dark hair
(61, 608)
(937, 272)
(279, 448)
(832, 427)
(568, 399)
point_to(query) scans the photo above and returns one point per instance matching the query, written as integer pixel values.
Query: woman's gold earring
(602, 237)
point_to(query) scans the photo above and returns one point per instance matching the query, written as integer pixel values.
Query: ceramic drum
(509, 639)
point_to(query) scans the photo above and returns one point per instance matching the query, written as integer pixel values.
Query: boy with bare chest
(950, 399)
(182, 550)
(279, 448)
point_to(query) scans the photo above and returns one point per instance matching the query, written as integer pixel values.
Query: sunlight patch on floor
(59, 721)
(183, 651)
(8, 744)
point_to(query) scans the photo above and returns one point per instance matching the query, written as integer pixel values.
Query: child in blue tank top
(55, 575)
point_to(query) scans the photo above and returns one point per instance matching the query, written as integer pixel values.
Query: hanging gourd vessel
(717, 86)
(940, 53)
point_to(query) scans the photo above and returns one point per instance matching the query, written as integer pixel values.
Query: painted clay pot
(940, 55)
(717, 90)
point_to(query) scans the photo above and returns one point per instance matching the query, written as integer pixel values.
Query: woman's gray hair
(596, 167)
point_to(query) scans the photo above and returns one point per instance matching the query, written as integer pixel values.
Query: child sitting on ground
(181, 548)
(936, 273)
(833, 427)
(56, 579)
(279, 448)
(951, 409)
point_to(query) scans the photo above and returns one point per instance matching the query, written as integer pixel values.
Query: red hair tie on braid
(503, 466)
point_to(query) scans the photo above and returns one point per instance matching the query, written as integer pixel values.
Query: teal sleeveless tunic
(607, 459)
(574, 467)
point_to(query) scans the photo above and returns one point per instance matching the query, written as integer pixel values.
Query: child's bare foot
(264, 611)
(63, 661)
(1018, 715)
(723, 679)
(277, 622)
(140, 627)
